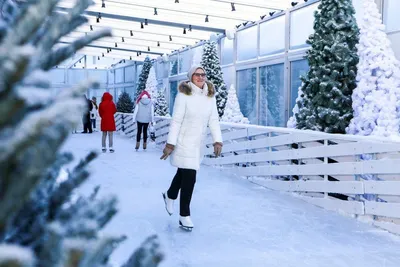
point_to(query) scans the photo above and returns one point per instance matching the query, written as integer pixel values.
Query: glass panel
(247, 44)
(173, 91)
(110, 77)
(118, 92)
(76, 76)
(57, 75)
(272, 36)
(301, 26)
(197, 54)
(227, 51)
(99, 75)
(272, 95)
(392, 19)
(247, 93)
(297, 69)
(185, 61)
(119, 75)
(395, 40)
(173, 65)
(131, 90)
(130, 74)
(228, 76)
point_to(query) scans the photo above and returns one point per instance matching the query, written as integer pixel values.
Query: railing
(350, 174)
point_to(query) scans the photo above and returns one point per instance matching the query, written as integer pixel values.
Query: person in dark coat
(87, 126)
(107, 110)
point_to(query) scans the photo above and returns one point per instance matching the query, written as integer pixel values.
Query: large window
(197, 54)
(227, 51)
(228, 76)
(131, 90)
(76, 76)
(119, 75)
(57, 75)
(272, 95)
(185, 61)
(98, 75)
(130, 74)
(173, 91)
(247, 44)
(301, 26)
(247, 93)
(110, 77)
(391, 11)
(297, 68)
(272, 36)
(173, 65)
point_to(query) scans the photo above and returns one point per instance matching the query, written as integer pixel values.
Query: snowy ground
(236, 223)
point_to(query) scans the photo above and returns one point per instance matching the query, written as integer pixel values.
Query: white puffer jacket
(194, 110)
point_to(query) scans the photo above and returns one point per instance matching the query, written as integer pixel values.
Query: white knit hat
(193, 69)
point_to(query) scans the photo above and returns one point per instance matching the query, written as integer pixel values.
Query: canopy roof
(155, 27)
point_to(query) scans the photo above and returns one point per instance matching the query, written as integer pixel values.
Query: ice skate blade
(165, 202)
(186, 228)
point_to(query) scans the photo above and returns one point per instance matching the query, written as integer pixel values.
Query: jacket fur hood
(185, 88)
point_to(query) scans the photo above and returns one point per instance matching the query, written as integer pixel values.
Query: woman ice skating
(107, 110)
(143, 115)
(195, 108)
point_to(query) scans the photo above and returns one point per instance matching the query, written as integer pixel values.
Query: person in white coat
(143, 115)
(195, 108)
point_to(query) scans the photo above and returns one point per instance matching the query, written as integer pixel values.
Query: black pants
(184, 180)
(142, 127)
(87, 126)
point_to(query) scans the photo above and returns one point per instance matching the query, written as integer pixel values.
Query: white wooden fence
(350, 174)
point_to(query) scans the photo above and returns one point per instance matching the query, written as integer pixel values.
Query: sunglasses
(198, 75)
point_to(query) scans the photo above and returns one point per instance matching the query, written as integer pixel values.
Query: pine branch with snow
(161, 105)
(232, 111)
(40, 219)
(327, 105)
(376, 100)
(125, 103)
(143, 77)
(151, 83)
(210, 62)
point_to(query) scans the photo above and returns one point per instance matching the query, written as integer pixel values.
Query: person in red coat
(107, 110)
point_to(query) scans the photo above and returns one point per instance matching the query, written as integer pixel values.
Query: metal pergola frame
(171, 26)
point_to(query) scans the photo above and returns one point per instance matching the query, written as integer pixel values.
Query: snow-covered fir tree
(300, 98)
(143, 77)
(232, 111)
(376, 100)
(210, 62)
(125, 103)
(151, 84)
(161, 105)
(43, 221)
(331, 79)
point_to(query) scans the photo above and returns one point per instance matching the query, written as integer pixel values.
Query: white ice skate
(104, 150)
(112, 150)
(186, 223)
(169, 203)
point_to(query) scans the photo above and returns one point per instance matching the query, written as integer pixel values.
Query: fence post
(270, 151)
(326, 162)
